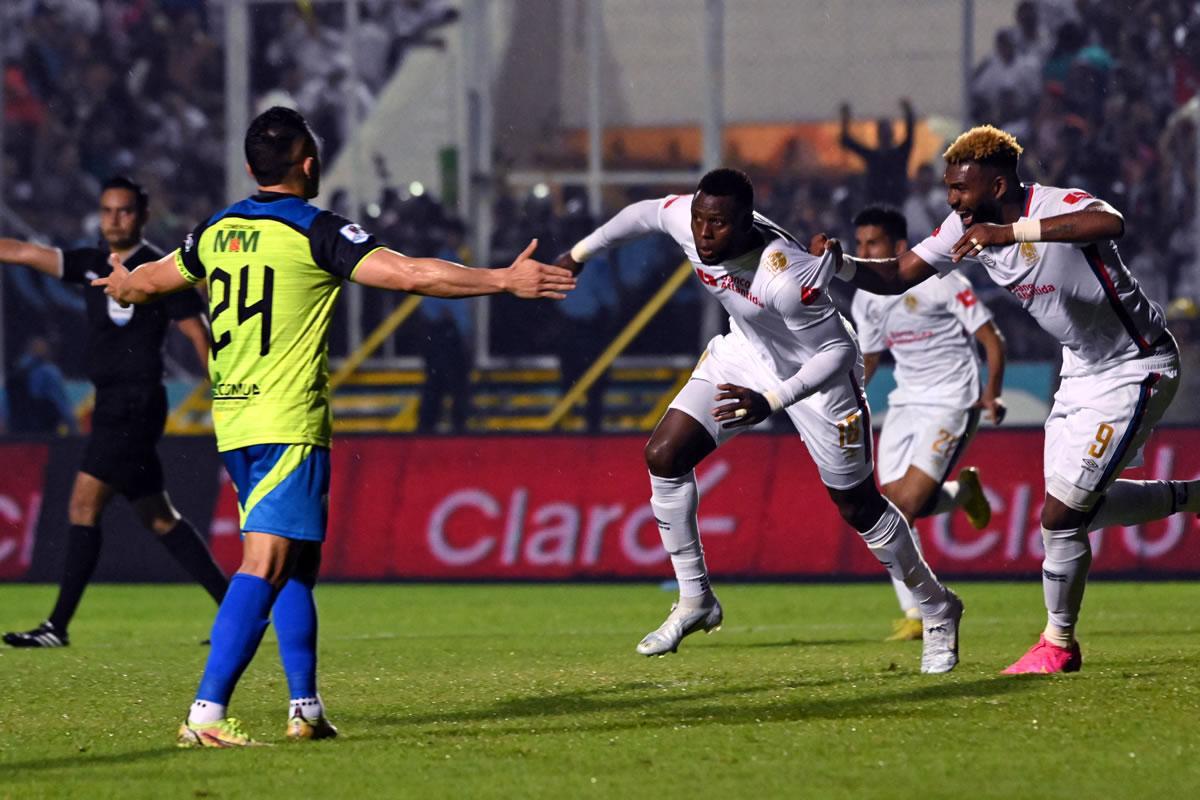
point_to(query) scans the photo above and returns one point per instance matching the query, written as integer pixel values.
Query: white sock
(205, 713)
(311, 708)
(1135, 502)
(674, 501)
(947, 498)
(890, 539)
(1064, 577)
(908, 603)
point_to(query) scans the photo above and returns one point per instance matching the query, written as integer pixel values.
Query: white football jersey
(773, 295)
(1082, 294)
(930, 331)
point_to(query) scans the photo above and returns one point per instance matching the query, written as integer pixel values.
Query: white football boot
(701, 614)
(940, 644)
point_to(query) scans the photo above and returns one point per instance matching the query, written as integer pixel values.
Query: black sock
(185, 544)
(83, 551)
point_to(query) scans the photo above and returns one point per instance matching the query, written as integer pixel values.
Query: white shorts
(1100, 422)
(930, 438)
(835, 423)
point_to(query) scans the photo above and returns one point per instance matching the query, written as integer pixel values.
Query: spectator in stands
(37, 394)
(887, 162)
(1032, 37)
(1005, 70)
(925, 207)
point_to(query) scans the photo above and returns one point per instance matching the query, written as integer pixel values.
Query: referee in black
(125, 363)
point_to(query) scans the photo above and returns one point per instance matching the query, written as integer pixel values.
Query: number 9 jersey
(274, 265)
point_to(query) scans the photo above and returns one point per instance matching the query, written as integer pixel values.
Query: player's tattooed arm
(1094, 223)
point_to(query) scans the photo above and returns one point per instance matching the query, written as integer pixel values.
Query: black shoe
(44, 635)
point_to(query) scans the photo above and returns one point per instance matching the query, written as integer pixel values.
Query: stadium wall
(573, 507)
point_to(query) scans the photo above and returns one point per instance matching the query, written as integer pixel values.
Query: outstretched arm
(885, 275)
(993, 346)
(42, 258)
(1094, 223)
(145, 283)
(633, 221)
(387, 269)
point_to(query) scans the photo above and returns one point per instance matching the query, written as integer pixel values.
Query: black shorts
(127, 423)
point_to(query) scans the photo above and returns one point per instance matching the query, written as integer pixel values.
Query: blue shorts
(282, 489)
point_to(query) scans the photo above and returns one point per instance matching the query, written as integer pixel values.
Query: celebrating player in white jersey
(788, 349)
(931, 331)
(1054, 250)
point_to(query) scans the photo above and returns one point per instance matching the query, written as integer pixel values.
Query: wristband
(847, 269)
(579, 253)
(773, 401)
(1027, 230)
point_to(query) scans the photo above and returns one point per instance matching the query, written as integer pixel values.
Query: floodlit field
(535, 691)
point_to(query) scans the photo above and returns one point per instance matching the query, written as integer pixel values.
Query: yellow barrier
(614, 349)
(198, 401)
(377, 337)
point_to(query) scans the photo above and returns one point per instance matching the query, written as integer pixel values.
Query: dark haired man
(1055, 250)
(931, 331)
(124, 357)
(788, 349)
(275, 264)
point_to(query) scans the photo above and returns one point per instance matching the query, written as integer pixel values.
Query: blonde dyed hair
(985, 144)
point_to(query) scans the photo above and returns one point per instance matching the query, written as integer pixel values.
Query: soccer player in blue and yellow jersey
(274, 266)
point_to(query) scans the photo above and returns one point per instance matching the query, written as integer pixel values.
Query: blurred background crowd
(1101, 94)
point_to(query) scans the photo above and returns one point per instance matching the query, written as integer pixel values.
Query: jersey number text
(245, 310)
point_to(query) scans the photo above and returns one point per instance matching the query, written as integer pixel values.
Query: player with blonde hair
(1055, 251)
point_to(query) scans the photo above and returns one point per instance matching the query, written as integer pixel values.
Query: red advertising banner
(20, 504)
(575, 507)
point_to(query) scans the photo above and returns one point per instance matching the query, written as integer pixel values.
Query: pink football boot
(1045, 658)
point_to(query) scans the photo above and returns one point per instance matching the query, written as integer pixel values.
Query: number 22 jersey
(274, 265)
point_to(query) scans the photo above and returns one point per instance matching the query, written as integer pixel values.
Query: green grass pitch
(535, 691)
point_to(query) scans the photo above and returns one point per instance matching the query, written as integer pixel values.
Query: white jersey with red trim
(930, 331)
(1082, 294)
(777, 297)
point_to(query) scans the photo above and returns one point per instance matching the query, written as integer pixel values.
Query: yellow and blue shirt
(274, 265)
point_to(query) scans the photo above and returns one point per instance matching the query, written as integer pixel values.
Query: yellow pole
(377, 337)
(615, 348)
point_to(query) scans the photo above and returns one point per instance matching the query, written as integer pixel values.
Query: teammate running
(275, 266)
(935, 408)
(788, 349)
(1055, 250)
(125, 364)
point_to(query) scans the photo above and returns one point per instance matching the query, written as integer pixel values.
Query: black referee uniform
(125, 363)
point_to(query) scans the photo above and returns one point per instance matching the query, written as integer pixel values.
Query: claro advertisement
(558, 508)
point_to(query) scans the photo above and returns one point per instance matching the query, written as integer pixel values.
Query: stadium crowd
(1102, 98)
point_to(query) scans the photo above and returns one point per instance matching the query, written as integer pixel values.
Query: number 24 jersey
(274, 265)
